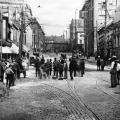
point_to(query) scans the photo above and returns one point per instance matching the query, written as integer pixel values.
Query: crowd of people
(59, 67)
(10, 70)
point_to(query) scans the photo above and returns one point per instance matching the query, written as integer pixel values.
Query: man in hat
(113, 73)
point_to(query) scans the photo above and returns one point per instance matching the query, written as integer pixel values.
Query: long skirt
(113, 80)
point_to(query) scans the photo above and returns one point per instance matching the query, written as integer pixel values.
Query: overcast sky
(55, 15)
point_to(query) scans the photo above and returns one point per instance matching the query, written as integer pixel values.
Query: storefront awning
(6, 50)
(13, 49)
(25, 48)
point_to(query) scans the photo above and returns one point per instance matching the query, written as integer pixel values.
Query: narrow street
(85, 98)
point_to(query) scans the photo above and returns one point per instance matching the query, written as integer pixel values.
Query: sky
(55, 15)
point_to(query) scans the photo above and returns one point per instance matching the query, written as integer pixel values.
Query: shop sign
(11, 1)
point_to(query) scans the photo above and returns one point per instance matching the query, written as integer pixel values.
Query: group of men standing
(45, 68)
(100, 64)
(58, 68)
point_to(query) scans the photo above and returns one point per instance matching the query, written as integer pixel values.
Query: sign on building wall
(11, 1)
(4, 29)
(80, 38)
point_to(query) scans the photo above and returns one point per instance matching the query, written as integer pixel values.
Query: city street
(85, 98)
(60, 60)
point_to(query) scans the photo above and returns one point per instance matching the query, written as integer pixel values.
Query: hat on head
(113, 56)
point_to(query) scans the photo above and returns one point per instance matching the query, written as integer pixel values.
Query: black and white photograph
(59, 59)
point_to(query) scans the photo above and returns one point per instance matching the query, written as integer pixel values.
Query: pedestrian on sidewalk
(118, 72)
(9, 76)
(98, 63)
(102, 64)
(37, 66)
(1, 72)
(113, 73)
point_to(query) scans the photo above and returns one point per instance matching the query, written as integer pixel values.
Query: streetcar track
(69, 108)
(74, 105)
(86, 106)
(102, 89)
(68, 105)
(98, 88)
(78, 101)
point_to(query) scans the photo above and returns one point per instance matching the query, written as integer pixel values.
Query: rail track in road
(98, 89)
(72, 103)
(102, 89)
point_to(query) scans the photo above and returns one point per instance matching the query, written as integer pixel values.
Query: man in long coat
(82, 66)
(72, 67)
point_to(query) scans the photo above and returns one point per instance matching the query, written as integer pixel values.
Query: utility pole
(21, 34)
(105, 50)
(105, 14)
(1, 33)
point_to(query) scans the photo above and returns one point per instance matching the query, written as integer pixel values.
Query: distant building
(56, 44)
(76, 34)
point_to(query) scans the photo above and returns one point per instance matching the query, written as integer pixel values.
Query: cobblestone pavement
(35, 99)
(42, 102)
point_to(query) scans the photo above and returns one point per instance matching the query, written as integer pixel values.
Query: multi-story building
(17, 29)
(38, 37)
(56, 44)
(88, 26)
(116, 33)
(96, 13)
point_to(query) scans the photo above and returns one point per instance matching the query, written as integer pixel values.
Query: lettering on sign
(11, 1)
